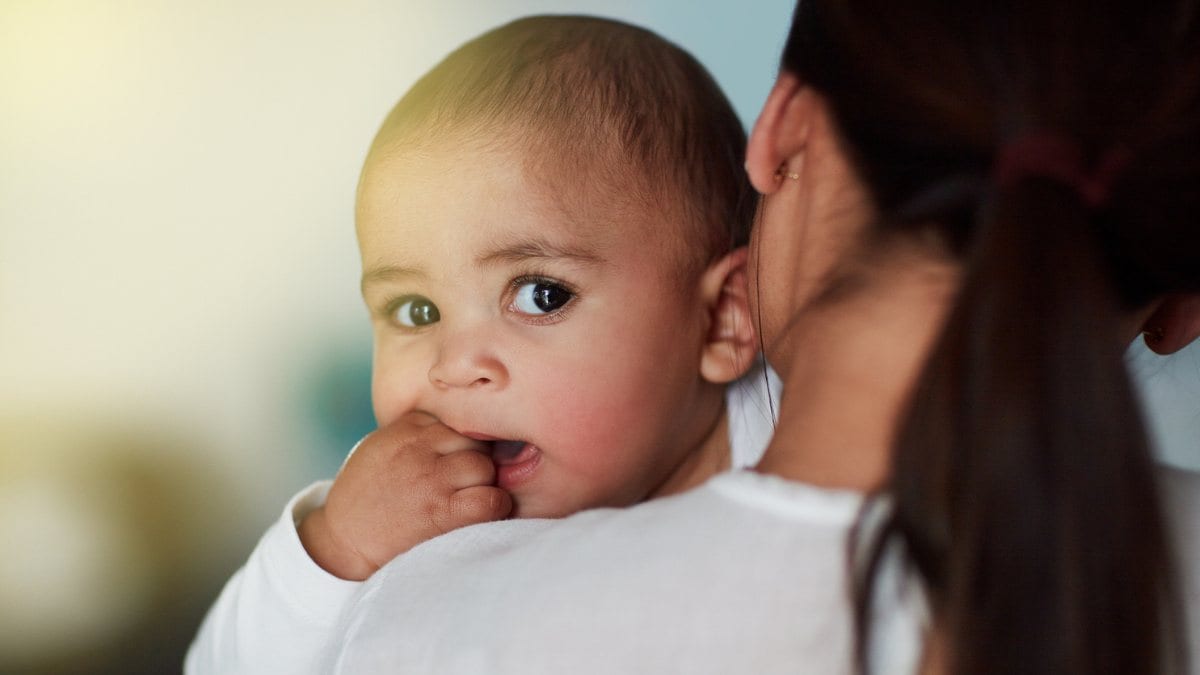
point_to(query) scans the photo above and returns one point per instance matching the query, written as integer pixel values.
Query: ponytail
(1022, 490)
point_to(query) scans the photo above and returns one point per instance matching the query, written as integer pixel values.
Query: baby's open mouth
(516, 462)
(512, 452)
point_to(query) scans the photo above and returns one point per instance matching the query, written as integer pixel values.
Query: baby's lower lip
(515, 468)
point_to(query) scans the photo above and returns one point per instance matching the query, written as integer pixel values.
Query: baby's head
(549, 224)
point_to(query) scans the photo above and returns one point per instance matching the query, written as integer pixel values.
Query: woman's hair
(1054, 145)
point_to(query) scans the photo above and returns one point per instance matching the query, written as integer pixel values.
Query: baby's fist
(404, 484)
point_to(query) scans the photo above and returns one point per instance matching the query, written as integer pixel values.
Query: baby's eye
(541, 297)
(416, 311)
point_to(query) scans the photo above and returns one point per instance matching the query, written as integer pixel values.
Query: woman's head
(934, 101)
(1050, 153)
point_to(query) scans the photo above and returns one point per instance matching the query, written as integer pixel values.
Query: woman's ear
(730, 344)
(779, 133)
(1174, 324)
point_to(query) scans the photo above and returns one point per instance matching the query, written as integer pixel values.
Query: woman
(1022, 197)
(969, 210)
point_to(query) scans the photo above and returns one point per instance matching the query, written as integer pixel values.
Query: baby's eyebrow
(390, 273)
(538, 249)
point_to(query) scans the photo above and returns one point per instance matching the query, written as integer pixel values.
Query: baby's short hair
(612, 114)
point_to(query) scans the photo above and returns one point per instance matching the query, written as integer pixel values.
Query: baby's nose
(467, 362)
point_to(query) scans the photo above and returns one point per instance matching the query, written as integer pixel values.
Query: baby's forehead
(495, 185)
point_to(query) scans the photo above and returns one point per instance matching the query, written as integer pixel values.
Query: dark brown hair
(1022, 489)
(610, 115)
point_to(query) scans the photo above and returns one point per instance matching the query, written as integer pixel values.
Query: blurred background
(182, 344)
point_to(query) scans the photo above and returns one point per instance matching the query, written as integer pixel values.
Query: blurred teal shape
(336, 400)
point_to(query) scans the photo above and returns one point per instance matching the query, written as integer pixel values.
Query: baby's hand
(406, 483)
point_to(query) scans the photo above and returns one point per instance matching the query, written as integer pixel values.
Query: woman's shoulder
(645, 578)
(1181, 499)
(1181, 493)
(1181, 496)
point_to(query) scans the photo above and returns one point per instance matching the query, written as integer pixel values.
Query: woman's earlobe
(1174, 324)
(771, 137)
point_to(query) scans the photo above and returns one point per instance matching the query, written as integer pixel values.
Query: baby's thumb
(479, 504)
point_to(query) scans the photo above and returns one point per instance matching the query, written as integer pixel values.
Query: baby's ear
(1174, 324)
(730, 344)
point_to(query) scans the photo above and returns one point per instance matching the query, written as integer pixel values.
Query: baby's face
(569, 341)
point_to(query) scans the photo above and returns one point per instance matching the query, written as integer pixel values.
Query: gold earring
(782, 173)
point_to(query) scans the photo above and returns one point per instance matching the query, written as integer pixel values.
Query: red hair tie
(1048, 155)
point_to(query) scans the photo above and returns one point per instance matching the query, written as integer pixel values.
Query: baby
(546, 222)
(551, 225)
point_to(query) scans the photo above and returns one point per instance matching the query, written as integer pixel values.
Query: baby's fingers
(466, 468)
(478, 504)
(444, 441)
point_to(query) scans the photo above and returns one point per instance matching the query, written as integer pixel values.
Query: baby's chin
(533, 502)
(535, 505)
(542, 503)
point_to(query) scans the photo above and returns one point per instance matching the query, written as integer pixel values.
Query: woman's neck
(853, 365)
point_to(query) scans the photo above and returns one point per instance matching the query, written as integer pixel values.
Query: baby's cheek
(392, 391)
(383, 403)
(598, 431)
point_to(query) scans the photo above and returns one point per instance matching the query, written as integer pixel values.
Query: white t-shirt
(746, 574)
(278, 612)
(743, 575)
